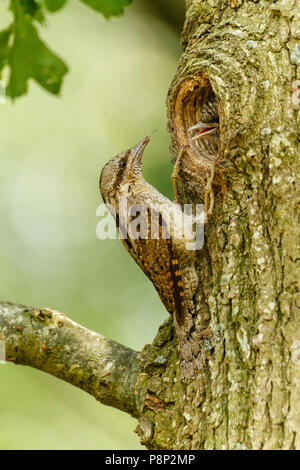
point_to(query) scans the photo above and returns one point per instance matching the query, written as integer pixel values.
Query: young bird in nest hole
(205, 134)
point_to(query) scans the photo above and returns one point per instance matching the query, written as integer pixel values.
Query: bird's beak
(204, 128)
(138, 149)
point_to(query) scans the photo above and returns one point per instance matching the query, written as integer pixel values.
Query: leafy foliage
(27, 56)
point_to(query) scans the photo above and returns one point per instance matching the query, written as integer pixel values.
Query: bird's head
(123, 168)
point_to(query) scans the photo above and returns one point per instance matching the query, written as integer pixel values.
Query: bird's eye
(122, 163)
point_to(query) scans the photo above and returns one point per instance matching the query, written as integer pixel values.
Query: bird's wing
(159, 261)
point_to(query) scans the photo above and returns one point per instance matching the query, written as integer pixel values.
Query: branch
(49, 341)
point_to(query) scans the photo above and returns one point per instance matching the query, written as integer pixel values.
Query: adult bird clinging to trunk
(161, 247)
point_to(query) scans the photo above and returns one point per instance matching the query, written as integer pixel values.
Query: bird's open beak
(138, 149)
(204, 128)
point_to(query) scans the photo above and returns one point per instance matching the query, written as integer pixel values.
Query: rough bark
(247, 393)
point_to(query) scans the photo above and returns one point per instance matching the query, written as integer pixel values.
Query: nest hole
(187, 110)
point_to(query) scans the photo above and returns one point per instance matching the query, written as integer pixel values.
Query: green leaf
(4, 51)
(29, 57)
(108, 7)
(54, 5)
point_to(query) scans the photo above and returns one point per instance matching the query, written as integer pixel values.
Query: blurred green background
(53, 150)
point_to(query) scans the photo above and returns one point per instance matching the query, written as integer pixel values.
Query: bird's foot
(175, 174)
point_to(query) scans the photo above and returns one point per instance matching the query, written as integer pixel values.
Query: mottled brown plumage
(166, 261)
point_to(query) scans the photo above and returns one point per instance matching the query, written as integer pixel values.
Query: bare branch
(49, 341)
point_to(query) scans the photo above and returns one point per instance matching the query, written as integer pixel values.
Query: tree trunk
(246, 395)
